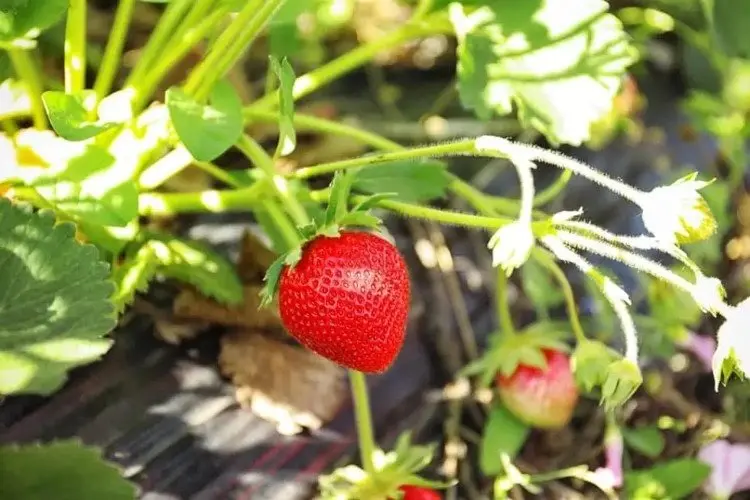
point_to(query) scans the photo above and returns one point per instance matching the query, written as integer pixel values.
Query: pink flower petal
(702, 347)
(730, 465)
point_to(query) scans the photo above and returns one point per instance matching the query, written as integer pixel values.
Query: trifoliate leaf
(55, 304)
(195, 263)
(667, 481)
(63, 470)
(206, 130)
(503, 434)
(25, 19)
(412, 181)
(69, 115)
(133, 275)
(287, 135)
(561, 67)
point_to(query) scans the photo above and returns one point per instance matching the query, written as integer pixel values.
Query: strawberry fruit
(419, 493)
(347, 299)
(543, 398)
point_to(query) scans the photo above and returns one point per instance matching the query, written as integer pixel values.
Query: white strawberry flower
(733, 344)
(709, 294)
(677, 213)
(511, 245)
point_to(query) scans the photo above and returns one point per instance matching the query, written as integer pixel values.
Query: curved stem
(230, 45)
(213, 201)
(28, 72)
(256, 154)
(552, 191)
(155, 47)
(75, 47)
(503, 305)
(182, 46)
(312, 81)
(322, 125)
(570, 302)
(364, 419)
(109, 65)
(464, 147)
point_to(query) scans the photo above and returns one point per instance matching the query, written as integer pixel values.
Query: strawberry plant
(88, 168)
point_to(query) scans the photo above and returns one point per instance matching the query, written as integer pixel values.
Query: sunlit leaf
(64, 470)
(287, 136)
(412, 181)
(69, 116)
(25, 19)
(206, 130)
(54, 302)
(560, 67)
(197, 264)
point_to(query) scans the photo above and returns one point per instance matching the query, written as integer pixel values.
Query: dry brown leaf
(254, 260)
(190, 304)
(281, 383)
(175, 332)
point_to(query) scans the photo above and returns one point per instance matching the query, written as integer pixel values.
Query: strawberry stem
(503, 305)
(548, 262)
(364, 419)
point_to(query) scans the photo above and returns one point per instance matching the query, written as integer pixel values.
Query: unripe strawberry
(347, 299)
(543, 398)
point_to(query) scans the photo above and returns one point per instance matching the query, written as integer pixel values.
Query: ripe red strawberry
(347, 300)
(543, 398)
(419, 493)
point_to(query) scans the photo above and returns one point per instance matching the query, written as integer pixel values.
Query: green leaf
(69, 115)
(25, 19)
(133, 275)
(732, 27)
(195, 263)
(287, 136)
(540, 287)
(206, 130)
(54, 302)
(284, 39)
(591, 362)
(503, 433)
(412, 181)
(64, 470)
(647, 440)
(371, 201)
(92, 186)
(561, 67)
(667, 481)
(339, 198)
(360, 219)
(273, 274)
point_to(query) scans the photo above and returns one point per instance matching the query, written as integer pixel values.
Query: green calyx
(337, 217)
(507, 352)
(392, 470)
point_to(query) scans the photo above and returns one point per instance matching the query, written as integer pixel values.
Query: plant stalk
(363, 417)
(113, 51)
(75, 47)
(28, 72)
